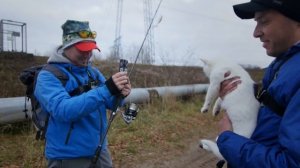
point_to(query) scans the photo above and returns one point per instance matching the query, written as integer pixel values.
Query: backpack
(40, 117)
(28, 77)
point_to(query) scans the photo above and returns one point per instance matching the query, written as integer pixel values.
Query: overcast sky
(189, 30)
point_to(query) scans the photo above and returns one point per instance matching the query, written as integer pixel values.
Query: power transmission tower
(148, 53)
(117, 43)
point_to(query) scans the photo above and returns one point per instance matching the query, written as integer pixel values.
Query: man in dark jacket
(275, 142)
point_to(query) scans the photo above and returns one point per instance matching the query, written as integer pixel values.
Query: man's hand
(228, 85)
(122, 82)
(119, 84)
(126, 90)
(120, 79)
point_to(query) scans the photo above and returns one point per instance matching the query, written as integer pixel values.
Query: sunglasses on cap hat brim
(87, 34)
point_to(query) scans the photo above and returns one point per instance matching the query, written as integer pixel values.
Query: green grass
(161, 127)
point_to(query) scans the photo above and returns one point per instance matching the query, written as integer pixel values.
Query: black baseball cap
(289, 8)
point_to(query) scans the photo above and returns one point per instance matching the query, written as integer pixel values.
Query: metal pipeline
(11, 109)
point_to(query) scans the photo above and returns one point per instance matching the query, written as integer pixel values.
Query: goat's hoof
(204, 110)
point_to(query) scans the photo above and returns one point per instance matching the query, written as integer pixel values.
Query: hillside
(11, 64)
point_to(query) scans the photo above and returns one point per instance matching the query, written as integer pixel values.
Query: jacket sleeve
(285, 153)
(241, 152)
(54, 98)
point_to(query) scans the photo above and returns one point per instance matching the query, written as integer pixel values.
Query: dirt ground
(192, 157)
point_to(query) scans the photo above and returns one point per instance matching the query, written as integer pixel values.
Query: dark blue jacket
(275, 142)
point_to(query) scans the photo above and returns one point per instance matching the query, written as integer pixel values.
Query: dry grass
(18, 147)
(162, 129)
(143, 75)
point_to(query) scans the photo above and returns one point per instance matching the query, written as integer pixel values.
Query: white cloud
(189, 29)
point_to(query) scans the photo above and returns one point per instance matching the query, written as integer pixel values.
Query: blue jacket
(275, 142)
(84, 114)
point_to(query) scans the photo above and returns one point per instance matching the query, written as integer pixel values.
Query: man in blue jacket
(275, 142)
(78, 108)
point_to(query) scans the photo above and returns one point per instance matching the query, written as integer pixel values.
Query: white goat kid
(240, 104)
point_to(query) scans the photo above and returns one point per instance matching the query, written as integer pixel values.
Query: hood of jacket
(58, 57)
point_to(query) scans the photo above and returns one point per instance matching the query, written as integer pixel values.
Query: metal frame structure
(7, 34)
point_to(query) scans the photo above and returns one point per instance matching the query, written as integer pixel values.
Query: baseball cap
(289, 8)
(86, 46)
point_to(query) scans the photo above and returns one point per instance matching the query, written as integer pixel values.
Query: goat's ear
(204, 61)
